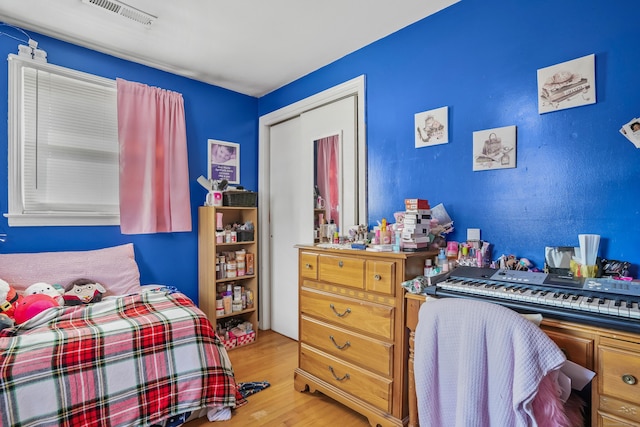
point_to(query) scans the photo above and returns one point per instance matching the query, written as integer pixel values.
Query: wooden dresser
(353, 343)
(613, 355)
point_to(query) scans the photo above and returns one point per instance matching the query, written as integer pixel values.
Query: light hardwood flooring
(273, 358)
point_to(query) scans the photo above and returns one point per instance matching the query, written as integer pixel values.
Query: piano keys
(603, 302)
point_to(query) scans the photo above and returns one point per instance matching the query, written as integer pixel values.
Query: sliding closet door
(291, 197)
(289, 178)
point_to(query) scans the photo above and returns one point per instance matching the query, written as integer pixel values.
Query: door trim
(354, 86)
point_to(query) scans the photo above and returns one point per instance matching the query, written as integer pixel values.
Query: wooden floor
(273, 358)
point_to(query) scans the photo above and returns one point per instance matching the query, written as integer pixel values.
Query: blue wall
(211, 113)
(575, 172)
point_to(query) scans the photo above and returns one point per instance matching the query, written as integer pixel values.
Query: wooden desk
(613, 355)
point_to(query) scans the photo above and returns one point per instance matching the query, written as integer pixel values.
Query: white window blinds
(67, 142)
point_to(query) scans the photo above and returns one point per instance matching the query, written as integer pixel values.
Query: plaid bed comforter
(127, 361)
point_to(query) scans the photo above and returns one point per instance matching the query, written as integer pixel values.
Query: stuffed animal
(54, 291)
(399, 217)
(6, 321)
(31, 305)
(9, 298)
(83, 291)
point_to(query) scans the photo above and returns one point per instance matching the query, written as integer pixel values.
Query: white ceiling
(248, 46)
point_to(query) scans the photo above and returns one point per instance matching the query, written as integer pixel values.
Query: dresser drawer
(610, 408)
(308, 266)
(358, 382)
(347, 345)
(577, 349)
(340, 270)
(350, 313)
(381, 277)
(619, 370)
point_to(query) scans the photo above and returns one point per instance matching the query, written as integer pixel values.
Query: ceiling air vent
(125, 10)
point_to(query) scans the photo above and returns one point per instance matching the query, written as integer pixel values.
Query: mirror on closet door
(328, 197)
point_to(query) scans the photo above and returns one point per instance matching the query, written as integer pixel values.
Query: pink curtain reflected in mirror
(328, 175)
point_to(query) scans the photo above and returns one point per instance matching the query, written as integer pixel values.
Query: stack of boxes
(415, 232)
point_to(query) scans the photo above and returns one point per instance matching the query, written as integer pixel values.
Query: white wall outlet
(473, 234)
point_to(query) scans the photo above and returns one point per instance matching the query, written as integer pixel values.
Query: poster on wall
(631, 131)
(432, 127)
(566, 85)
(494, 148)
(224, 161)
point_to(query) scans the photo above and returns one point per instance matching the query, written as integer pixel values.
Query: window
(63, 146)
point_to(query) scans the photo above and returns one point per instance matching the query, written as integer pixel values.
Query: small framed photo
(494, 148)
(432, 127)
(224, 161)
(566, 85)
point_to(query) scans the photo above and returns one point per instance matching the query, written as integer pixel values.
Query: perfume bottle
(504, 160)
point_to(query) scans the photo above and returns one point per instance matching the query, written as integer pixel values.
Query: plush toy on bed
(54, 291)
(6, 321)
(31, 305)
(83, 291)
(9, 299)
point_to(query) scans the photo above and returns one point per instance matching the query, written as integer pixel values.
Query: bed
(140, 357)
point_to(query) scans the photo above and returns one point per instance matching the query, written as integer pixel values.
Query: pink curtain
(154, 172)
(328, 175)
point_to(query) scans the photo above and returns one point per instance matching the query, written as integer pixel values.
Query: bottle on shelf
(443, 263)
(219, 228)
(427, 267)
(333, 227)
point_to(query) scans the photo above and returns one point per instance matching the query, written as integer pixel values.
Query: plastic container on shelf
(240, 198)
(245, 235)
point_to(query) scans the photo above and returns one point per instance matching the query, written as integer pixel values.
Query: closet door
(291, 197)
(291, 162)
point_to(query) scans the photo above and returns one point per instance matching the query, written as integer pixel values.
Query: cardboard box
(413, 204)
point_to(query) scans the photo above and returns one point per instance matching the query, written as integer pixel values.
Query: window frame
(16, 210)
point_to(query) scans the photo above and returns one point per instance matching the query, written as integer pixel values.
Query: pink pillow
(115, 268)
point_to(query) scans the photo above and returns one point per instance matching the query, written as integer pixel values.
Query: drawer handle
(377, 277)
(339, 347)
(340, 264)
(347, 311)
(308, 266)
(345, 377)
(629, 379)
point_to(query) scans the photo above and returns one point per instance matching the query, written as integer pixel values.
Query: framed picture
(432, 127)
(224, 161)
(566, 85)
(494, 148)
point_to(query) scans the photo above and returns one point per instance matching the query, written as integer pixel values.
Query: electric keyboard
(603, 302)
